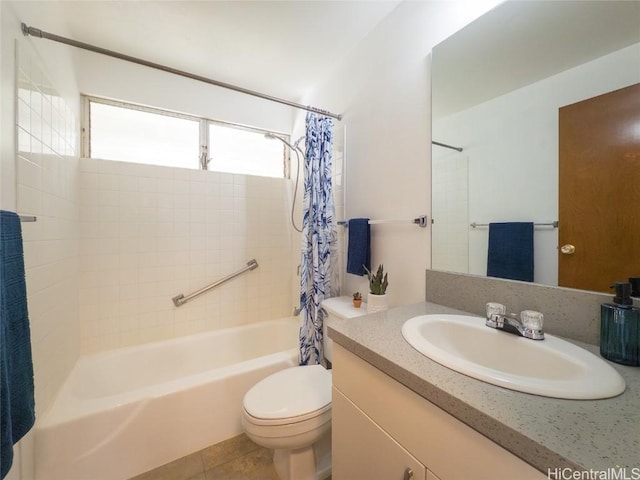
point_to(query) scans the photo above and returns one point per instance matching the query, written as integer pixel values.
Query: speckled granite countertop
(545, 432)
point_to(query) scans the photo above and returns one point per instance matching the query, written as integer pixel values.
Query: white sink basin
(551, 367)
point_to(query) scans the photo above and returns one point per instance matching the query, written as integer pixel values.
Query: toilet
(290, 410)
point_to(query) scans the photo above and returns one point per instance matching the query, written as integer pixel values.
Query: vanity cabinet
(381, 428)
(369, 452)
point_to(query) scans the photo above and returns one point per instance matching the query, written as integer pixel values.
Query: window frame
(204, 146)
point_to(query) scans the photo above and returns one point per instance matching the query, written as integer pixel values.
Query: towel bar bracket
(421, 221)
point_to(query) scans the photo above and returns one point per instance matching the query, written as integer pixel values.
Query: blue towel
(17, 404)
(511, 251)
(359, 250)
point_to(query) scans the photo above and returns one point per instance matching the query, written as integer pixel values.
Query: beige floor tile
(235, 459)
(185, 468)
(255, 465)
(200, 476)
(228, 450)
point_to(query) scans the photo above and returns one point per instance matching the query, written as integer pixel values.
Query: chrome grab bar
(181, 299)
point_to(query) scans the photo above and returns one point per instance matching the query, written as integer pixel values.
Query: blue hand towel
(17, 403)
(510, 252)
(359, 249)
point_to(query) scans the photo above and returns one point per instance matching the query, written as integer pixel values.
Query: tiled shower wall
(149, 233)
(47, 187)
(115, 241)
(450, 210)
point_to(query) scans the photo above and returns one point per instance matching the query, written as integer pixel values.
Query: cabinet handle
(408, 474)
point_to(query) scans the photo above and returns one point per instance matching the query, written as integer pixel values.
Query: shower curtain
(319, 236)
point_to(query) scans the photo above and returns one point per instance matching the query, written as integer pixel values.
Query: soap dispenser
(620, 328)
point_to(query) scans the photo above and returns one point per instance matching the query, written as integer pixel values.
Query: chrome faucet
(529, 325)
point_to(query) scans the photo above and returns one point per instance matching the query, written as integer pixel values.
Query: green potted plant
(357, 299)
(378, 284)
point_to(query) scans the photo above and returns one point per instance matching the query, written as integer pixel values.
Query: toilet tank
(338, 307)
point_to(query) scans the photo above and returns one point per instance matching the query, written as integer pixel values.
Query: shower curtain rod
(36, 32)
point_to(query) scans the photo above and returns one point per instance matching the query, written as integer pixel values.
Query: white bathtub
(126, 411)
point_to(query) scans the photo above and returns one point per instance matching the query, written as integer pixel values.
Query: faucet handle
(494, 308)
(532, 320)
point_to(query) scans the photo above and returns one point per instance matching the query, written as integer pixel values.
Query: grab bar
(181, 299)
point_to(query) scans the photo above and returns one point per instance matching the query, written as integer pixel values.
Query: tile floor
(235, 459)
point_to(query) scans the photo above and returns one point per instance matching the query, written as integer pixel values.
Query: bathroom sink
(551, 367)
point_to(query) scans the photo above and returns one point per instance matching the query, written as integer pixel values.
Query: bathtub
(126, 411)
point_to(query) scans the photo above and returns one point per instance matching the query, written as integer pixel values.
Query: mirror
(497, 86)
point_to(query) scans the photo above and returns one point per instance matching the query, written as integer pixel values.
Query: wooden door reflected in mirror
(599, 201)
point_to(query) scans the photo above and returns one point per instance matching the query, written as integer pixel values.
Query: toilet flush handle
(408, 474)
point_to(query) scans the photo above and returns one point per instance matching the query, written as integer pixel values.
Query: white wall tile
(47, 187)
(154, 232)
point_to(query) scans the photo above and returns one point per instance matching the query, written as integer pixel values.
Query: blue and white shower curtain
(319, 236)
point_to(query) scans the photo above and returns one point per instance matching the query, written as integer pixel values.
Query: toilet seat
(286, 428)
(319, 414)
(292, 395)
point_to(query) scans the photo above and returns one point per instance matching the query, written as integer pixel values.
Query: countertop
(545, 432)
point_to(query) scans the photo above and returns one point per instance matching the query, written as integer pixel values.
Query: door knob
(568, 249)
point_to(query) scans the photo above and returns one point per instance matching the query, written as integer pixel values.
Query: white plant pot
(376, 303)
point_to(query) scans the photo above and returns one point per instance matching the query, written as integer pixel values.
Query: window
(124, 132)
(131, 135)
(237, 150)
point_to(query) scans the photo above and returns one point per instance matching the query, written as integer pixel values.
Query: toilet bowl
(290, 411)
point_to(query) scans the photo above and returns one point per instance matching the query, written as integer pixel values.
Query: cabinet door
(436, 439)
(361, 450)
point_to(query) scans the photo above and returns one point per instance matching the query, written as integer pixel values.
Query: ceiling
(521, 42)
(281, 48)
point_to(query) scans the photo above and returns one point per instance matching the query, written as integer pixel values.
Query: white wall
(450, 210)
(150, 233)
(47, 187)
(515, 136)
(45, 179)
(38, 176)
(383, 89)
(108, 77)
(188, 251)
(198, 227)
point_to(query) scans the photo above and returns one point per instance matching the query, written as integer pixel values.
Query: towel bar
(547, 224)
(421, 221)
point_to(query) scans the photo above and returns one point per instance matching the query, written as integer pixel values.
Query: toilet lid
(290, 393)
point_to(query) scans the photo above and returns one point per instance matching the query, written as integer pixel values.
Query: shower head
(271, 135)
